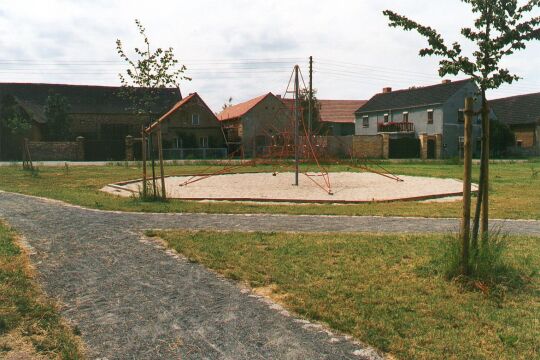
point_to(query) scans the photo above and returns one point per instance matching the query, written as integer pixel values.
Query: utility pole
(310, 100)
(296, 124)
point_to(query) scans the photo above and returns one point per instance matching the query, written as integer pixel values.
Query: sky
(240, 48)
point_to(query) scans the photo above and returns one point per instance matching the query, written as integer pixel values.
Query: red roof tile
(335, 111)
(339, 111)
(238, 110)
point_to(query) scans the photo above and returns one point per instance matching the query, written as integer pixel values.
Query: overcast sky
(239, 48)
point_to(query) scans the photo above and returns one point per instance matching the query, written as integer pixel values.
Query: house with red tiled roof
(189, 128)
(251, 126)
(333, 117)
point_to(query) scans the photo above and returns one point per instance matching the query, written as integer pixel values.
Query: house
(335, 117)
(424, 122)
(522, 114)
(339, 115)
(252, 126)
(190, 128)
(100, 114)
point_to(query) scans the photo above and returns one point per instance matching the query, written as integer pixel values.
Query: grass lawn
(30, 326)
(383, 290)
(515, 191)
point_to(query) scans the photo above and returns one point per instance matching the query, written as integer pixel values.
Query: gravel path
(132, 299)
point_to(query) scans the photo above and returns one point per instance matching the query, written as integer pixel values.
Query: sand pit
(347, 187)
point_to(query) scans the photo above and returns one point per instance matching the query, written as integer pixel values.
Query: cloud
(355, 51)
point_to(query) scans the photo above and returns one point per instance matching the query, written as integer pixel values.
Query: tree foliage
(151, 69)
(14, 117)
(58, 119)
(501, 28)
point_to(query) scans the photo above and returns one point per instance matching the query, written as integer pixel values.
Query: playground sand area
(345, 187)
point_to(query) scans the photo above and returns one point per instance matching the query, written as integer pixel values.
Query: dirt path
(132, 300)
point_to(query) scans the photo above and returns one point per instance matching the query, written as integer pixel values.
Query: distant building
(522, 114)
(422, 122)
(252, 126)
(190, 125)
(335, 117)
(99, 113)
(339, 115)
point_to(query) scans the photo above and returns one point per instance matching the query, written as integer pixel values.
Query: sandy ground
(345, 186)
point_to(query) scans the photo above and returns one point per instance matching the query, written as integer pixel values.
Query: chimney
(446, 81)
(387, 90)
(278, 96)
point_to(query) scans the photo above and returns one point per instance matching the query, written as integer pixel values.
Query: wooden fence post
(467, 169)
(162, 172)
(143, 155)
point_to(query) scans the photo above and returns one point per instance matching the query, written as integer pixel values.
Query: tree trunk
(467, 168)
(484, 228)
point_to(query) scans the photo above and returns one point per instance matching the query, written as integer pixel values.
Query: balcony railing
(395, 127)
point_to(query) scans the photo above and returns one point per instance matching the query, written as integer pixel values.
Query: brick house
(422, 122)
(251, 126)
(190, 125)
(522, 114)
(98, 113)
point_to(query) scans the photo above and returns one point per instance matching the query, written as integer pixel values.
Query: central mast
(296, 123)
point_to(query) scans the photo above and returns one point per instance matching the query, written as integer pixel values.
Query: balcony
(395, 127)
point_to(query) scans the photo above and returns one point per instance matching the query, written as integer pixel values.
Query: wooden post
(484, 226)
(161, 171)
(467, 170)
(143, 155)
(153, 163)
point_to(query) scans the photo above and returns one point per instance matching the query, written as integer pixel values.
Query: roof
(413, 97)
(239, 110)
(177, 107)
(517, 110)
(333, 111)
(339, 111)
(84, 99)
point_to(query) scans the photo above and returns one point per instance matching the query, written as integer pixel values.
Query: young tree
(152, 69)
(58, 119)
(501, 27)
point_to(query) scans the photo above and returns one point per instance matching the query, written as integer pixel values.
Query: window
(461, 116)
(195, 119)
(203, 142)
(519, 143)
(386, 118)
(405, 116)
(430, 116)
(365, 122)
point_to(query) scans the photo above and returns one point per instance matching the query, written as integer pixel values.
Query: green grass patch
(515, 190)
(381, 289)
(29, 323)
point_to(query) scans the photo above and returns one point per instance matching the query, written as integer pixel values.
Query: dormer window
(405, 116)
(195, 120)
